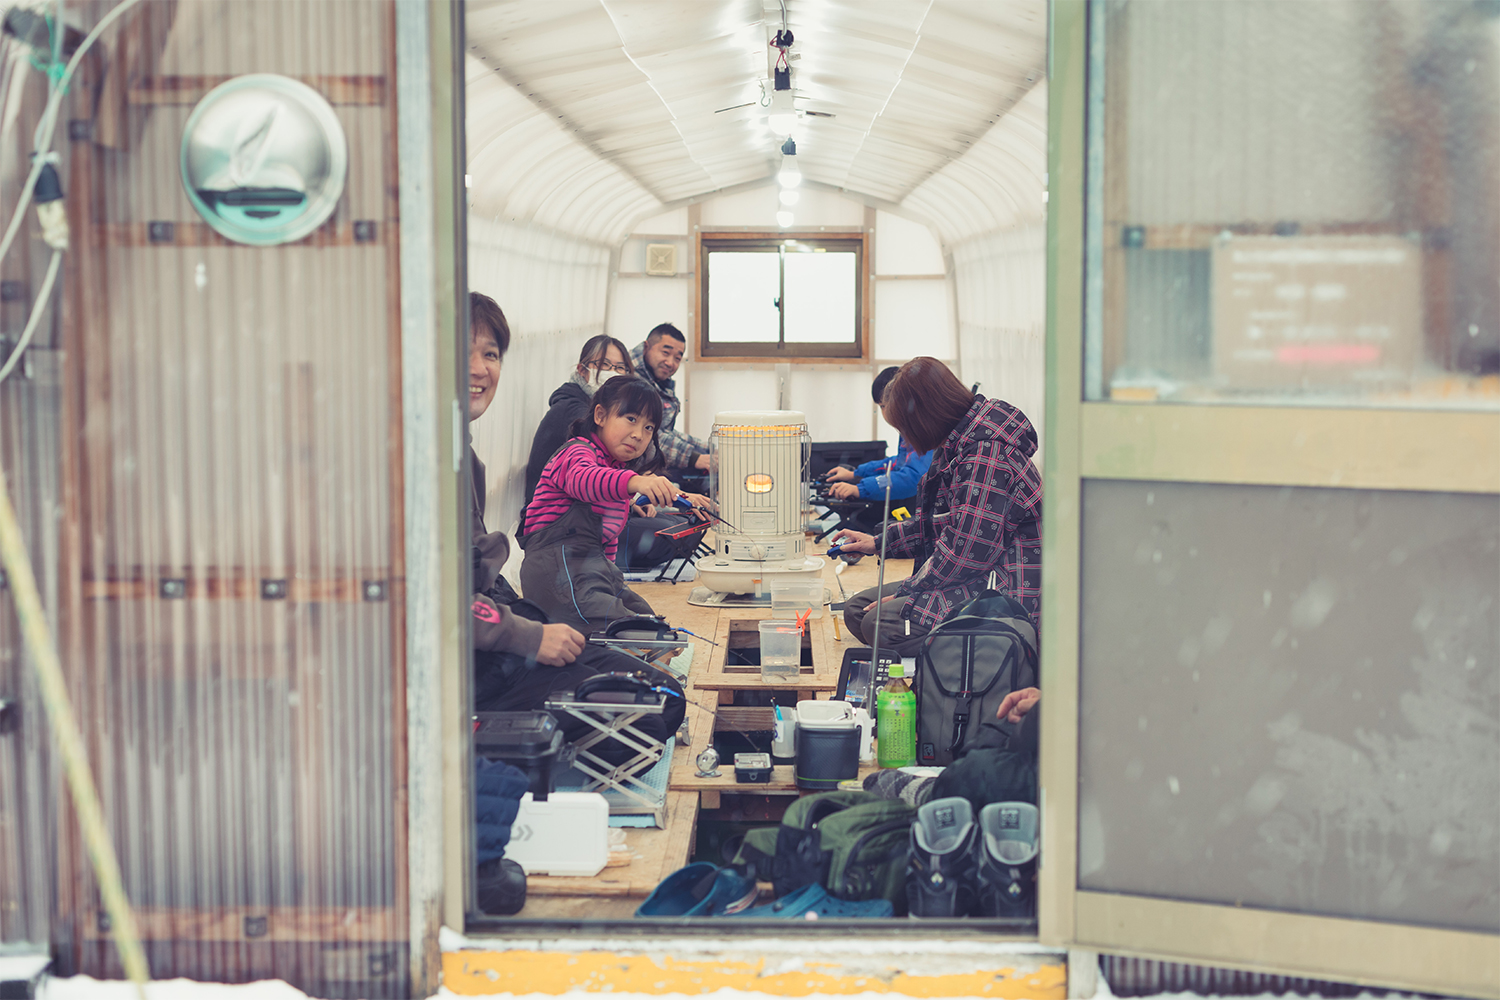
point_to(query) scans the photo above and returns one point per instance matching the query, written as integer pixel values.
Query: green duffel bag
(854, 844)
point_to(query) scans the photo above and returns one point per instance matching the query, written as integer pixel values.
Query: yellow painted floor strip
(476, 973)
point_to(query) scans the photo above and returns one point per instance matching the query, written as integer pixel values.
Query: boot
(500, 889)
(940, 877)
(1007, 848)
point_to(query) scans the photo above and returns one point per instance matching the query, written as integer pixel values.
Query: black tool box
(530, 741)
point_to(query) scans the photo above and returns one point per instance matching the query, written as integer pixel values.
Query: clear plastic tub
(780, 650)
(792, 597)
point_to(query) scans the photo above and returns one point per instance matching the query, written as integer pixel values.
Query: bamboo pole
(54, 691)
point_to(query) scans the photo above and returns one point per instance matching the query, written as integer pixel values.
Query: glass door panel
(1272, 606)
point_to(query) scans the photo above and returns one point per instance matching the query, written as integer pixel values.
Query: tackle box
(530, 741)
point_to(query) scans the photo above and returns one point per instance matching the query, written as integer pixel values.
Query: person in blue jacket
(867, 482)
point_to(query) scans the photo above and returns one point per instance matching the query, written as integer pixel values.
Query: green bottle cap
(898, 670)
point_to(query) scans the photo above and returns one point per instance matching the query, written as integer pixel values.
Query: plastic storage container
(780, 650)
(530, 741)
(827, 744)
(792, 597)
(566, 835)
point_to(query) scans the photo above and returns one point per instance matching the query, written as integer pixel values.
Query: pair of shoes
(700, 890)
(500, 887)
(812, 902)
(962, 868)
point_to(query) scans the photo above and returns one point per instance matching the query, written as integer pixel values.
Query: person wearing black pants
(519, 657)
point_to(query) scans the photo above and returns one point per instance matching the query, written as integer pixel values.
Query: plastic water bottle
(896, 721)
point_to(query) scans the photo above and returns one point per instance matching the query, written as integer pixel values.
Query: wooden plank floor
(654, 854)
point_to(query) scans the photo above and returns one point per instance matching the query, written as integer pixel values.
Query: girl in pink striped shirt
(582, 500)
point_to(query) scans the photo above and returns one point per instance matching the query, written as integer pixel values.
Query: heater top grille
(760, 423)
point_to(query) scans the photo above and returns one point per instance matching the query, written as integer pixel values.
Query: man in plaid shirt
(979, 509)
(657, 360)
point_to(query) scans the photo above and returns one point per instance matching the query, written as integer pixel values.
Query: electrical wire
(48, 124)
(85, 793)
(885, 526)
(37, 308)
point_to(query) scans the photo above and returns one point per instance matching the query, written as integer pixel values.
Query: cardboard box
(1316, 312)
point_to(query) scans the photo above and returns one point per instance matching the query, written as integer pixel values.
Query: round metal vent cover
(264, 159)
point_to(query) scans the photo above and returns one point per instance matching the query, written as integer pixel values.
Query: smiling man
(657, 360)
(520, 657)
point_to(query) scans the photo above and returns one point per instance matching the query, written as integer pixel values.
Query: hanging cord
(28, 602)
(75, 761)
(48, 124)
(885, 525)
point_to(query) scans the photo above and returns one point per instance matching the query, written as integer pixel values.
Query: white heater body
(759, 470)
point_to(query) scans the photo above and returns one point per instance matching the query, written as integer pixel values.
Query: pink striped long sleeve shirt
(583, 470)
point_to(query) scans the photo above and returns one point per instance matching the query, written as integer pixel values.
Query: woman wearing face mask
(601, 359)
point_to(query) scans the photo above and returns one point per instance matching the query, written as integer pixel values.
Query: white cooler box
(566, 835)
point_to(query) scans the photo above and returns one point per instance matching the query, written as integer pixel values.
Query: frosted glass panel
(1308, 213)
(743, 291)
(820, 297)
(1291, 699)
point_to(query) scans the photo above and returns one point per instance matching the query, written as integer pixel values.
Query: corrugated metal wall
(1141, 977)
(31, 434)
(227, 426)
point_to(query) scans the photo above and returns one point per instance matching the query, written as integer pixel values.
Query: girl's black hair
(633, 396)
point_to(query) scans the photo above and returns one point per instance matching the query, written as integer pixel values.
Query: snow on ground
(84, 988)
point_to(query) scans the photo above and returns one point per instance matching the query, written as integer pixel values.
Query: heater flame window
(759, 482)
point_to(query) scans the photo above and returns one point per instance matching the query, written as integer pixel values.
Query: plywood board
(657, 853)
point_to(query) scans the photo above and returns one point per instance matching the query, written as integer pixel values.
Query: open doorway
(653, 189)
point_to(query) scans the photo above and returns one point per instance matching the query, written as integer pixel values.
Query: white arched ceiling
(998, 184)
(586, 116)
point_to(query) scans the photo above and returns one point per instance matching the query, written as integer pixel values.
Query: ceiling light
(790, 175)
(789, 196)
(781, 113)
(783, 218)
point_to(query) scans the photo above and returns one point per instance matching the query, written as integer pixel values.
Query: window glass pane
(1290, 699)
(742, 293)
(820, 298)
(1300, 203)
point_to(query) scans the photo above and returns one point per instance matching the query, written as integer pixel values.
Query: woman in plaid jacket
(979, 509)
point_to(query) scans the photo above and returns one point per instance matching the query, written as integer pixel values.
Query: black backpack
(965, 668)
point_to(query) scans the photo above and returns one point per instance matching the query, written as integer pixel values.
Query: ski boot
(500, 889)
(1006, 848)
(940, 879)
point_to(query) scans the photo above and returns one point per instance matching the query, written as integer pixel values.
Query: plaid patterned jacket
(677, 448)
(979, 509)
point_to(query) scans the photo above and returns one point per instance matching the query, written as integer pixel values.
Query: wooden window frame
(857, 350)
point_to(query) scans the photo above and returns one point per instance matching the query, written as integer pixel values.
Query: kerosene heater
(759, 474)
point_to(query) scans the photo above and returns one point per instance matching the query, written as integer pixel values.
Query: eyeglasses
(611, 366)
